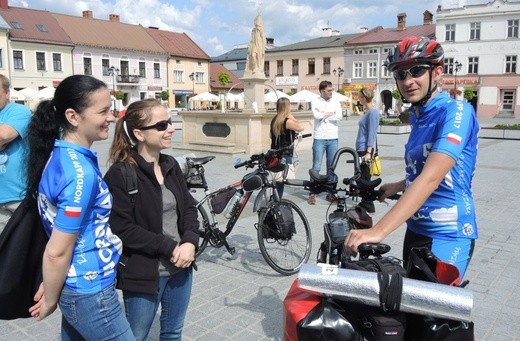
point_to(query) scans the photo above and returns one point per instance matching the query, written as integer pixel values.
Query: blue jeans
(96, 316)
(174, 296)
(321, 147)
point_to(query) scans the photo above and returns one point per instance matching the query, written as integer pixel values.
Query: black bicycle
(283, 232)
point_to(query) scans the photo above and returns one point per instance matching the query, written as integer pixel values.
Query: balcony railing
(128, 78)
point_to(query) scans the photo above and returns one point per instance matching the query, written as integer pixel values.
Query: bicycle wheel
(203, 228)
(284, 237)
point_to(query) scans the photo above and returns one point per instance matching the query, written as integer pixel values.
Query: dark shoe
(369, 206)
(312, 199)
(331, 197)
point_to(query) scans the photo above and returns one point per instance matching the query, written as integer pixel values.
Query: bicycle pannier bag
(375, 166)
(279, 222)
(276, 163)
(220, 200)
(193, 178)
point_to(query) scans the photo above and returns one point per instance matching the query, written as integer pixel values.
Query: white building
(484, 40)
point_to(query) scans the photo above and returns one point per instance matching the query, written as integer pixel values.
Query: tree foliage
(224, 78)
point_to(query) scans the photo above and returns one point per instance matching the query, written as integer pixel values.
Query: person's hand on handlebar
(391, 189)
(358, 237)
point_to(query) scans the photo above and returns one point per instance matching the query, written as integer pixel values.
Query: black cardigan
(139, 224)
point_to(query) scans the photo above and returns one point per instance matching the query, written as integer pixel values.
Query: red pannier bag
(296, 306)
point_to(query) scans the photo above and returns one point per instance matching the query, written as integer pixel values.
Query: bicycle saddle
(317, 177)
(364, 184)
(374, 249)
(198, 161)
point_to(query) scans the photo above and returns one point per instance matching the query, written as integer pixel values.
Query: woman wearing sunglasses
(440, 159)
(158, 225)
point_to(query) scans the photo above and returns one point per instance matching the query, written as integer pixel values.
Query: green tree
(468, 93)
(165, 95)
(397, 95)
(224, 78)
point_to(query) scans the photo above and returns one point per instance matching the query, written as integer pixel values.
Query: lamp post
(112, 71)
(339, 71)
(192, 77)
(456, 68)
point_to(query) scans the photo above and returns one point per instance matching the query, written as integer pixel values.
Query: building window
(473, 65)
(105, 66)
(474, 31)
(358, 51)
(384, 72)
(18, 60)
(358, 70)
(41, 27)
(372, 69)
(87, 66)
(311, 66)
(40, 61)
(241, 66)
(295, 66)
(279, 67)
(142, 69)
(372, 51)
(1, 59)
(266, 68)
(199, 77)
(156, 70)
(56, 62)
(512, 28)
(448, 66)
(178, 76)
(510, 64)
(326, 65)
(16, 25)
(508, 97)
(450, 32)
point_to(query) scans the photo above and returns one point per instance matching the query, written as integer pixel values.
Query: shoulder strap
(130, 176)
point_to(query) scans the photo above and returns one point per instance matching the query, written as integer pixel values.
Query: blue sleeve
(373, 124)
(75, 200)
(18, 117)
(455, 129)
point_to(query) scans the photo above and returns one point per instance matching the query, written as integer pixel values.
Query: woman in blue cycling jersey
(80, 259)
(440, 157)
(158, 225)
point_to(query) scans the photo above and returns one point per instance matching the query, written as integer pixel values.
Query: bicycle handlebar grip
(379, 193)
(241, 164)
(304, 136)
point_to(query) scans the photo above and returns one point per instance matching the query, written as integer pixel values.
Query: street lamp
(456, 68)
(113, 71)
(339, 71)
(192, 77)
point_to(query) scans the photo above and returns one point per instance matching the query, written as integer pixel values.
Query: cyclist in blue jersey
(440, 158)
(158, 225)
(81, 256)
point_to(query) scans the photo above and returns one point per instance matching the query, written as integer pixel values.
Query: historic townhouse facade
(483, 41)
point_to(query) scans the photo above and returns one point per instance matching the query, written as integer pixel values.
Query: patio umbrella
(303, 96)
(15, 95)
(272, 96)
(28, 92)
(45, 93)
(231, 97)
(340, 97)
(204, 97)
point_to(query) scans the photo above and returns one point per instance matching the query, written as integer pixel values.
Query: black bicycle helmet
(415, 50)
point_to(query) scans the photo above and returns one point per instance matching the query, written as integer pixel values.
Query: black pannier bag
(279, 222)
(220, 200)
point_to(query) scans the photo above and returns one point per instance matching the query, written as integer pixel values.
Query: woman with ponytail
(79, 262)
(158, 225)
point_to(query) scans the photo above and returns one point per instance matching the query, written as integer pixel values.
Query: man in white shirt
(327, 112)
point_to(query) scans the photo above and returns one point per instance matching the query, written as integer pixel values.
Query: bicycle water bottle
(232, 203)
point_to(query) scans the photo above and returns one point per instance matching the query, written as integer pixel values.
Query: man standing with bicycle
(327, 112)
(440, 159)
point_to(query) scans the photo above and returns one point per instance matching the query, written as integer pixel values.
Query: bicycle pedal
(232, 251)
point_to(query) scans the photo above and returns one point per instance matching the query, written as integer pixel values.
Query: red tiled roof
(108, 34)
(177, 44)
(28, 19)
(380, 35)
(214, 70)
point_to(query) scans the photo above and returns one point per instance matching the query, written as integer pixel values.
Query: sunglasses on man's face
(160, 126)
(414, 71)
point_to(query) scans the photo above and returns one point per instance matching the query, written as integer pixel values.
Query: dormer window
(16, 25)
(42, 28)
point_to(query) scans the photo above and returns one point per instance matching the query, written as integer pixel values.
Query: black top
(285, 139)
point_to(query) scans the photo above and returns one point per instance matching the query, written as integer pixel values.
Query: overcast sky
(218, 25)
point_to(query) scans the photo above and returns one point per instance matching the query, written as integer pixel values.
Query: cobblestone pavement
(240, 297)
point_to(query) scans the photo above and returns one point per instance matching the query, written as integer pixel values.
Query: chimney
(427, 18)
(363, 29)
(269, 41)
(335, 32)
(401, 21)
(113, 17)
(439, 8)
(88, 14)
(4, 4)
(327, 32)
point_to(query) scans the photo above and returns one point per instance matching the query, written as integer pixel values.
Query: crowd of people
(102, 237)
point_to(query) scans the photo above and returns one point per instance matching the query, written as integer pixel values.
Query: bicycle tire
(203, 227)
(285, 255)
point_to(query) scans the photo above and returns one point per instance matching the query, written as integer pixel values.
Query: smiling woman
(159, 239)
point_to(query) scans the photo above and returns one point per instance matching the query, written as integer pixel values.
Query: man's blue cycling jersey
(73, 198)
(450, 127)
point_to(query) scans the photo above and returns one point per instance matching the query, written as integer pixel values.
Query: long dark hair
(138, 114)
(49, 122)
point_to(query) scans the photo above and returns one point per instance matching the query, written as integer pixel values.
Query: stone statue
(256, 50)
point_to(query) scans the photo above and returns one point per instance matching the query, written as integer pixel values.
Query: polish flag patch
(454, 138)
(73, 212)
